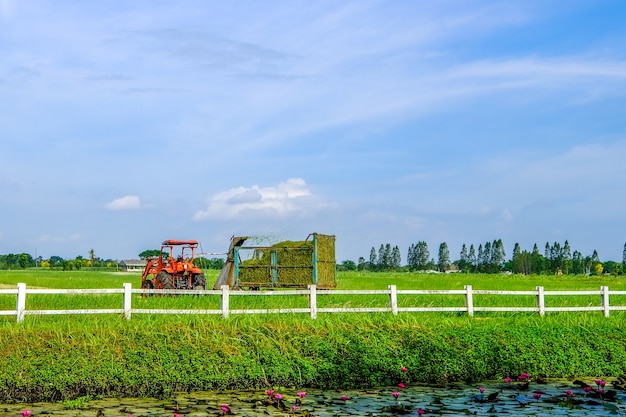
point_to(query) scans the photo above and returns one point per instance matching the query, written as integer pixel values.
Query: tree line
(489, 257)
(25, 260)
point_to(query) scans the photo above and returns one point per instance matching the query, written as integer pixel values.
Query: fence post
(225, 301)
(313, 300)
(605, 300)
(127, 299)
(469, 300)
(393, 299)
(541, 302)
(21, 302)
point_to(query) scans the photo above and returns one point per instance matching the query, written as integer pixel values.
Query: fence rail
(312, 293)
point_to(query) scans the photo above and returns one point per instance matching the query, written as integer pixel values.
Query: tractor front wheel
(147, 285)
(164, 281)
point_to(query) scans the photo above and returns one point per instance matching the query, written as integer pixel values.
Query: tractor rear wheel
(199, 282)
(164, 281)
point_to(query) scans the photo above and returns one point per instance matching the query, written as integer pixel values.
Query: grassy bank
(63, 357)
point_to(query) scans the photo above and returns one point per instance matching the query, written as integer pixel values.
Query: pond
(515, 398)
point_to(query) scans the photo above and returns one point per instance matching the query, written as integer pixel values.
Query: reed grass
(62, 358)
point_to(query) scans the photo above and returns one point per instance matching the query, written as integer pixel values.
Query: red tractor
(174, 270)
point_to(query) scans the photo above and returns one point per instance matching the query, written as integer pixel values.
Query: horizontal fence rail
(225, 294)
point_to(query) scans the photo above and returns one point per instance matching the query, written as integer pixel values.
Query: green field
(63, 357)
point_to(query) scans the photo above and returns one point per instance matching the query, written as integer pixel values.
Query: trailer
(287, 264)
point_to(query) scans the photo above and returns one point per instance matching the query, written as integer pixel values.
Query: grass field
(345, 280)
(64, 357)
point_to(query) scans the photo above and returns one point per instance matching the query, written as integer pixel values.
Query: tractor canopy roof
(172, 242)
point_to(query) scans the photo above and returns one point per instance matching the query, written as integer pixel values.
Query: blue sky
(123, 124)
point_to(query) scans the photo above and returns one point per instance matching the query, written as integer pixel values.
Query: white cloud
(287, 198)
(129, 202)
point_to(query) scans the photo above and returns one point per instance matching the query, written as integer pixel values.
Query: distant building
(133, 265)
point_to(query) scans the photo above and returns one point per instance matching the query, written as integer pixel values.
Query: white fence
(312, 292)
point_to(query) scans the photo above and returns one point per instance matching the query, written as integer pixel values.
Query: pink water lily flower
(395, 394)
(294, 408)
(401, 385)
(25, 413)
(404, 369)
(301, 394)
(481, 389)
(420, 411)
(345, 397)
(569, 393)
(278, 396)
(508, 380)
(270, 392)
(536, 395)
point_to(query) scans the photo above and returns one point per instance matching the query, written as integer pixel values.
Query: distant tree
(67, 265)
(595, 264)
(418, 256)
(431, 265)
(444, 257)
(78, 262)
(396, 259)
(11, 260)
(380, 263)
(55, 261)
(464, 260)
(216, 263)
(547, 255)
(598, 268)
(373, 259)
(480, 258)
(361, 265)
(566, 258)
(387, 257)
(537, 262)
(498, 255)
(578, 263)
(524, 262)
(23, 260)
(92, 257)
(472, 258)
(613, 268)
(150, 253)
(516, 259)
(346, 265)
(422, 255)
(624, 259)
(411, 259)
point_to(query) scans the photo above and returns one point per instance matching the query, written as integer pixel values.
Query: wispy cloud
(129, 202)
(290, 198)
